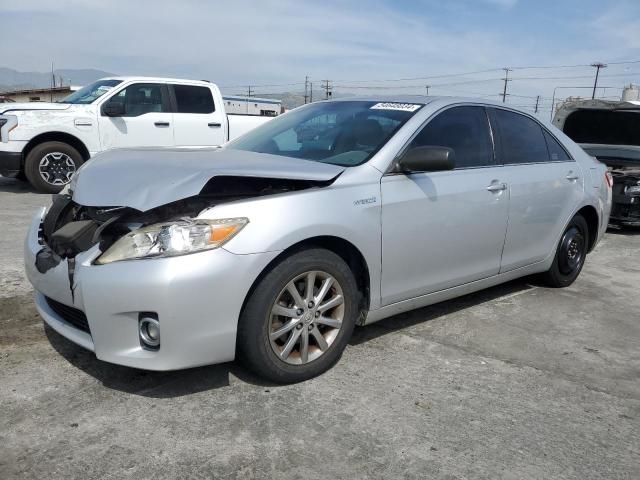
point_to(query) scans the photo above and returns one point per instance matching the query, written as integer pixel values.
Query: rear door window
(521, 138)
(463, 129)
(193, 99)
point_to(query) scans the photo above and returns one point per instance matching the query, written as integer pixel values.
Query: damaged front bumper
(197, 299)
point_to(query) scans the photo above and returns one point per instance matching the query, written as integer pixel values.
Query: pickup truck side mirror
(113, 109)
(427, 159)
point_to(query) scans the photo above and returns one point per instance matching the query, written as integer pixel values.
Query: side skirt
(373, 316)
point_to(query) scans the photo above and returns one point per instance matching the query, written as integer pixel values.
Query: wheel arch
(346, 250)
(56, 136)
(590, 214)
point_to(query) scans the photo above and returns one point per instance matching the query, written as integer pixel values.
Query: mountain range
(11, 79)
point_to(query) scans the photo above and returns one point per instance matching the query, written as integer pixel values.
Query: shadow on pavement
(186, 382)
(624, 231)
(426, 314)
(14, 185)
(147, 383)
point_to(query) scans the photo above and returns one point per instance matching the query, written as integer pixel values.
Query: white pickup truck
(47, 142)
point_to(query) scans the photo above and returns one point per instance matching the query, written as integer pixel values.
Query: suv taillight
(609, 178)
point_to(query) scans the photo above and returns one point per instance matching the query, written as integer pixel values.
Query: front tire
(298, 319)
(50, 166)
(570, 254)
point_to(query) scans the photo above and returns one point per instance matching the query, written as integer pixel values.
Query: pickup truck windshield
(345, 133)
(91, 92)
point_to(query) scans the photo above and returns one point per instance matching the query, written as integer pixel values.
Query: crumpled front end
(195, 298)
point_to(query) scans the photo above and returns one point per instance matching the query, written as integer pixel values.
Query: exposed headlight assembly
(172, 239)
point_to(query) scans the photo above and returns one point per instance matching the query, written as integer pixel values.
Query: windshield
(345, 133)
(605, 127)
(91, 92)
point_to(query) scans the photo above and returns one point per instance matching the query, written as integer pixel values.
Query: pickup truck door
(198, 121)
(146, 119)
(545, 186)
(443, 229)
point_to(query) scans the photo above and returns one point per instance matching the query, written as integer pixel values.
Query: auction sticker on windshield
(406, 107)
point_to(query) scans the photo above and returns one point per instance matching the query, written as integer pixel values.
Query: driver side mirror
(113, 109)
(427, 159)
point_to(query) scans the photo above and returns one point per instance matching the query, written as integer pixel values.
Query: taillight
(609, 178)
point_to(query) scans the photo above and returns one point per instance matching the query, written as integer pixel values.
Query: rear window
(607, 127)
(192, 99)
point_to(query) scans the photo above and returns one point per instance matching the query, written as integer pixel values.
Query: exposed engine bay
(69, 228)
(625, 208)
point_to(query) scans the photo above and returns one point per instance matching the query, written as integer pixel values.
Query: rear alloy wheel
(299, 317)
(570, 255)
(50, 166)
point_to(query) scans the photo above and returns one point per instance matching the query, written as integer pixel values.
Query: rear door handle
(497, 187)
(572, 176)
(214, 124)
(161, 124)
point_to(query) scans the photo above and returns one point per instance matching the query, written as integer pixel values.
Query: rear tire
(570, 254)
(313, 335)
(50, 166)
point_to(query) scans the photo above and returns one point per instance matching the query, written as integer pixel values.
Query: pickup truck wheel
(50, 166)
(570, 255)
(297, 321)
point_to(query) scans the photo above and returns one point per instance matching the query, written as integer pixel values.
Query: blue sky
(280, 41)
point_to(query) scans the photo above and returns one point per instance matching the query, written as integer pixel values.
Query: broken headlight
(172, 239)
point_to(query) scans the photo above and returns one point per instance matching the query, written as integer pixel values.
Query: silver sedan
(336, 214)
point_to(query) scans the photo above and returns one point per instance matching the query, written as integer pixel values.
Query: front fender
(277, 222)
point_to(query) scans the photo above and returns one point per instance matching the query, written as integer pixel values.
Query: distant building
(253, 106)
(39, 94)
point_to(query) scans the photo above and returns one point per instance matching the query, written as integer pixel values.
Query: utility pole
(598, 66)
(310, 92)
(427, 87)
(326, 84)
(537, 103)
(506, 79)
(249, 88)
(306, 87)
(53, 83)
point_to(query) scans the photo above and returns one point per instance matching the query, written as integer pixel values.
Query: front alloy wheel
(298, 318)
(56, 168)
(306, 317)
(49, 166)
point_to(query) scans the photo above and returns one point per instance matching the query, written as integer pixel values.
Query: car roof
(442, 100)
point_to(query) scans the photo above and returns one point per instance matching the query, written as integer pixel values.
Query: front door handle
(214, 124)
(497, 187)
(572, 176)
(161, 124)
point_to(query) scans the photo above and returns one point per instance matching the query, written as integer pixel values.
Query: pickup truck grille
(74, 317)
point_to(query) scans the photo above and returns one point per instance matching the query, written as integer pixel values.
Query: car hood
(614, 155)
(147, 178)
(19, 107)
